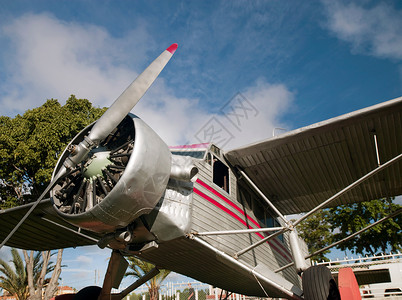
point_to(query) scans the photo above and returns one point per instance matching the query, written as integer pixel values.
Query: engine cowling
(121, 179)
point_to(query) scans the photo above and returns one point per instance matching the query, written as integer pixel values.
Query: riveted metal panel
(304, 167)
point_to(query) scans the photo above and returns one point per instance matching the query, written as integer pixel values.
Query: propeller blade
(130, 97)
(117, 111)
(104, 126)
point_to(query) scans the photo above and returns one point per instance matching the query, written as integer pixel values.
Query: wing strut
(395, 213)
(297, 254)
(263, 196)
(349, 187)
(280, 284)
(242, 231)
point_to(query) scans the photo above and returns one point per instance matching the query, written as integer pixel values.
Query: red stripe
(216, 203)
(228, 211)
(203, 184)
(172, 48)
(228, 202)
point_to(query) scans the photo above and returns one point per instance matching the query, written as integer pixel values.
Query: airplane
(213, 215)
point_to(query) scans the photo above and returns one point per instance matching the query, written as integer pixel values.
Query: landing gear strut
(113, 277)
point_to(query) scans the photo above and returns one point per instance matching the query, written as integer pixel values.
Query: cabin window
(262, 213)
(195, 154)
(273, 222)
(221, 175)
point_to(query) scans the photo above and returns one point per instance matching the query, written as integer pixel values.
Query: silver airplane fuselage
(214, 200)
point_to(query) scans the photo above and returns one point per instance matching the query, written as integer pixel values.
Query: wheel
(318, 284)
(89, 293)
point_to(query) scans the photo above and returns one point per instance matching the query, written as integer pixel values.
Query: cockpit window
(195, 154)
(221, 175)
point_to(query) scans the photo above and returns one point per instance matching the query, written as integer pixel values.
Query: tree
(31, 144)
(334, 224)
(351, 218)
(202, 294)
(27, 281)
(36, 274)
(138, 268)
(14, 276)
(316, 232)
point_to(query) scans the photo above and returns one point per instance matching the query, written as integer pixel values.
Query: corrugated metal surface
(186, 256)
(38, 234)
(303, 168)
(224, 212)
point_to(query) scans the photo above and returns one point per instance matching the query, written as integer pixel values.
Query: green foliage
(352, 218)
(31, 144)
(334, 224)
(138, 268)
(13, 276)
(202, 294)
(316, 232)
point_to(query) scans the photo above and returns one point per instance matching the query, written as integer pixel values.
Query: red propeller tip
(172, 48)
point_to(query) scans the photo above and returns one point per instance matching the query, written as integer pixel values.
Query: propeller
(106, 124)
(95, 176)
(130, 97)
(118, 110)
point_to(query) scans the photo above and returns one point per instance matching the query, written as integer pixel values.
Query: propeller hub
(98, 160)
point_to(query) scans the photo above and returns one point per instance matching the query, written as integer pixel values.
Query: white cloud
(270, 102)
(53, 58)
(375, 30)
(5, 254)
(246, 118)
(80, 272)
(83, 259)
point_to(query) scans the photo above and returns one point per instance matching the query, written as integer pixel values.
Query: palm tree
(14, 278)
(38, 266)
(139, 268)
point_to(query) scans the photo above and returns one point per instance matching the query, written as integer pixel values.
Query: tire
(89, 293)
(318, 284)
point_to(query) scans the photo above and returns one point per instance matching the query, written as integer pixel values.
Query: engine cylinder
(121, 179)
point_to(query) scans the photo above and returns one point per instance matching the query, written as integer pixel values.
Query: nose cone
(98, 161)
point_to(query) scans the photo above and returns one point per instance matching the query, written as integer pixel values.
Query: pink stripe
(198, 192)
(228, 202)
(228, 211)
(203, 184)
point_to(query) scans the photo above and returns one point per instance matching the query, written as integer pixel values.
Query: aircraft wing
(42, 230)
(302, 168)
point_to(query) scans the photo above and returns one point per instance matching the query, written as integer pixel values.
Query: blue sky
(297, 62)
